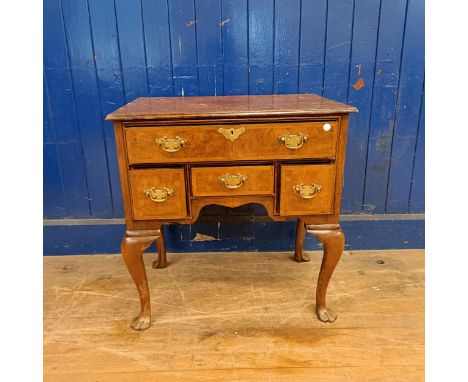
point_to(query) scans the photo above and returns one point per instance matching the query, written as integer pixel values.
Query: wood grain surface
(145, 208)
(211, 161)
(206, 182)
(258, 141)
(236, 317)
(162, 108)
(291, 202)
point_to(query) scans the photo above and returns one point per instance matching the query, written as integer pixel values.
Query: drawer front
(307, 189)
(288, 141)
(158, 194)
(232, 180)
(232, 142)
(176, 144)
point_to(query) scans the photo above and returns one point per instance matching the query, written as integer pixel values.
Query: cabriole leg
(332, 239)
(134, 244)
(161, 262)
(299, 254)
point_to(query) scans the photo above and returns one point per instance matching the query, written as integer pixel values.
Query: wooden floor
(236, 317)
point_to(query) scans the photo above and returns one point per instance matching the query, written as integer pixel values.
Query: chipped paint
(202, 237)
(368, 208)
(191, 23)
(221, 23)
(359, 84)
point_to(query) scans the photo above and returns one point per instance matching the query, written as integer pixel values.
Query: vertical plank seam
(220, 58)
(416, 145)
(170, 47)
(397, 102)
(101, 109)
(351, 51)
(144, 47)
(371, 107)
(74, 106)
(98, 89)
(196, 46)
(324, 61)
(274, 48)
(222, 40)
(299, 47)
(120, 55)
(47, 97)
(248, 48)
(49, 111)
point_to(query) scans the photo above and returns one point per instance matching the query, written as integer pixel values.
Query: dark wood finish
(134, 244)
(332, 239)
(248, 106)
(161, 262)
(299, 254)
(178, 155)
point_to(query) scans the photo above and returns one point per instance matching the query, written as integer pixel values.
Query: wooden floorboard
(236, 317)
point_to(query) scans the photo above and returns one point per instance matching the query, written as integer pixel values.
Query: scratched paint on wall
(100, 54)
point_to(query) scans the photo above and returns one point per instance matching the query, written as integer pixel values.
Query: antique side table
(177, 155)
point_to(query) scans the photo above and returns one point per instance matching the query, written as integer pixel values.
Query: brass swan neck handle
(232, 181)
(307, 191)
(158, 195)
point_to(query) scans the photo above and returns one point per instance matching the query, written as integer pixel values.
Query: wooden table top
(228, 106)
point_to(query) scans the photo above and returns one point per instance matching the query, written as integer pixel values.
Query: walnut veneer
(177, 155)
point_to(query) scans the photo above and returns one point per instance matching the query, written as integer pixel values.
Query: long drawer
(170, 144)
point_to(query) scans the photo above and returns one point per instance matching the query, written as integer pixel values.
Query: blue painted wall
(100, 54)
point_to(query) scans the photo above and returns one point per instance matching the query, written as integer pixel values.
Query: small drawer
(233, 180)
(158, 193)
(307, 189)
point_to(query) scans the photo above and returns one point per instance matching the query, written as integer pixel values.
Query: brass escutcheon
(231, 134)
(307, 191)
(232, 181)
(171, 145)
(158, 195)
(293, 141)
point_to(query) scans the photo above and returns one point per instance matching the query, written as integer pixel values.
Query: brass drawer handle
(158, 195)
(171, 145)
(231, 134)
(232, 181)
(293, 141)
(307, 191)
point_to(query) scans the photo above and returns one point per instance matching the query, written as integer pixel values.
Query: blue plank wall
(100, 54)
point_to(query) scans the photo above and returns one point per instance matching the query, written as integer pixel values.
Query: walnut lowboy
(177, 155)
